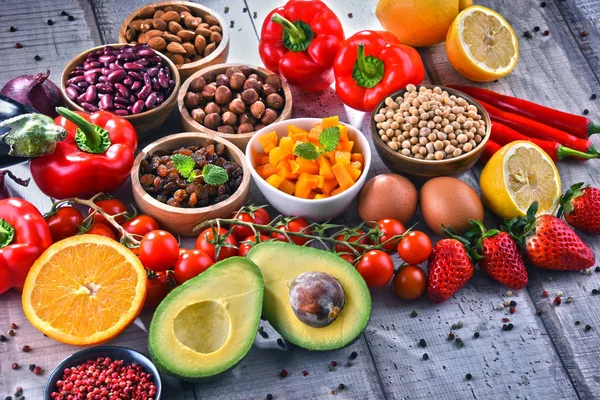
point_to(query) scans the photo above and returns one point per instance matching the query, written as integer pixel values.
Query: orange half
(84, 290)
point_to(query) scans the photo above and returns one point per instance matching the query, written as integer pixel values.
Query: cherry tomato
(410, 282)
(376, 268)
(102, 230)
(206, 237)
(389, 228)
(261, 217)
(157, 289)
(159, 250)
(249, 242)
(140, 225)
(191, 264)
(415, 247)
(64, 223)
(348, 257)
(111, 207)
(295, 225)
(341, 248)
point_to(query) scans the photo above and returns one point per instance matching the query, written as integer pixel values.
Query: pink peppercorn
(545, 293)
(557, 300)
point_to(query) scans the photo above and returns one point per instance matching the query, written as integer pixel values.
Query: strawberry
(450, 267)
(550, 243)
(580, 206)
(498, 255)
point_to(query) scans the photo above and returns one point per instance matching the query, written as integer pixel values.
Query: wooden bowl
(216, 57)
(240, 140)
(425, 169)
(181, 221)
(143, 122)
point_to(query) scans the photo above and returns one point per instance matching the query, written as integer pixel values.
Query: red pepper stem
(593, 128)
(7, 233)
(92, 137)
(368, 69)
(296, 35)
(563, 152)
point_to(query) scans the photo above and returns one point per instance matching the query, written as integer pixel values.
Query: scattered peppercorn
(512, 310)
(13, 29)
(304, 373)
(226, 10)
(26, 349)
(468, 377)
(2, 338)
(18, 46)
(459, 343)
(37, 58)
(254, 15)
(539, 311)
(269, 396)
(31, 367)
(451, 336)
(577, 323)
(505, 319)
(330, 368)
(583, 34)
(11, 332)
(425, 356)
(244, 10)
(8, 398)
(350, 15)
(528, 34)
(414, 313)
(353, 355)
(231, 23)
(422, 343)
(283, 373)
(50, 22)
(536, 28)
(513, 303)
(586, 111)
(545, 293)
(341, 386)
(334, 364)
(18, 391)
(262, 332)
(588, 328)
(64, 13)
(476, 335)
(15, 366)
(460, 324)
(557, 300)
(507, 327)
(594, 96)
(280, 343)
(349, 364)
(546, 32)
(569, 300)
(37, 370)
(71, 18)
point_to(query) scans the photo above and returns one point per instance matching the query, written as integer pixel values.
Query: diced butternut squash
(304, 186)
(307, 166)
(300, 136)
(295, 130)
(329, 185)
(342, 157)
(284, 169)
(325, 168)
(275, 180)
(312, 195)
(347, 146)
(268, 141)
(261, 158)
(266, 170)
(357, 157)
(287, 143)
(342, 175)
(278, 154)
(321, 196)
(287, 186)
(294, 166)
(343, 133)
(353, 171)
(357, 165)
(337, 191)
(313, 136)
(330, 121)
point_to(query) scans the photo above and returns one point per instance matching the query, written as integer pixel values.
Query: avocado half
(207, 325)
(280, 263)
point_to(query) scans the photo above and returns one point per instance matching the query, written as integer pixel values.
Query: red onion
(4, 191)
(36, 91)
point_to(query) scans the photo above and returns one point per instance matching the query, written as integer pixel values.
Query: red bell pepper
(24, 235)
(579, 126)
(96, 156)
(489, 150)
(372, 65)
(299, 41)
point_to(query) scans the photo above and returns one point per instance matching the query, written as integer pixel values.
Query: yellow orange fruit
(84, 290)
(481, 45)
(419, 22)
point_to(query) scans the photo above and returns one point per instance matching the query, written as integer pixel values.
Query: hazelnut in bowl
(132, 81)
(319, 182)
(187, 178)
(189, 34)
(233, 101)
(429, 131)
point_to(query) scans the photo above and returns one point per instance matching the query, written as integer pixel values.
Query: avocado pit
(203, 327)
(316, 298)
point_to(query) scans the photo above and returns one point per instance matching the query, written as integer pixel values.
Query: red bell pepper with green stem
(504, 135)
(299, 41)
(576, 125)
(24, 236)
(96, 156)
(372, 65)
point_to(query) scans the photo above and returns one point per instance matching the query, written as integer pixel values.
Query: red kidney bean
(75, 73)
(122, 113)
(75, 80)
(121, 100)
(104, 88)
(155, 85)
(146, 53)
(160, 98)
(127, 81)
(135, 66)
(162, 80)
(171, 84)
(95, 64)
(132, 98)
(76, 88)
(135, 75)
(147, 79)
(116, 76)
(71, 93)
(106, 102)
(135, 86)
(91, 78)
(87, 65)
(91, 94)
(106, 71)
(119, 106)
(153, 71)
(143, 62)
(137, 107)
(102, 79)
(114, 66)
(155, 60)
(130, 56)
(167, 72)
(83, 85)
(96, 54)
(107, 58)
(88, 107)
(122, 90)
(81, 98)
(145, 92)
(150, 101)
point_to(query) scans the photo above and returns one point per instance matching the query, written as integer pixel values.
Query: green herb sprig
(329, 139)
(212, 174)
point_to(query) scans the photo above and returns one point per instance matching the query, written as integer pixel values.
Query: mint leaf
(184, 164)
(214, 175)
(330, 138)
(307, 150)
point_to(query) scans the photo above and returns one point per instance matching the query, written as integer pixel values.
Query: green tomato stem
(7, 233)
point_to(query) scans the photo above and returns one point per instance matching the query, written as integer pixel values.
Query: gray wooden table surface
(544, 357)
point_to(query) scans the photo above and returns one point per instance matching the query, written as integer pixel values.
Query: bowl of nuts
(429, 131)
(189, 34)
(132, 81)
(233, 101)
(186, 178)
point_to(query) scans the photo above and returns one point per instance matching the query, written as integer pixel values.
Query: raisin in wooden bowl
(172, 209)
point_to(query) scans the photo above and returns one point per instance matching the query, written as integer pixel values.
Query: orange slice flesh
(84, 290)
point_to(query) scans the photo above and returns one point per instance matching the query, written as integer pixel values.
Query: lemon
(419, 22)
(481, 45)
(516, 176)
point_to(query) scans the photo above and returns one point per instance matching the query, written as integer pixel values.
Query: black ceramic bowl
(114, 352)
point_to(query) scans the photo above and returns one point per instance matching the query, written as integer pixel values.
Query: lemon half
(481, 45)
(516, 176)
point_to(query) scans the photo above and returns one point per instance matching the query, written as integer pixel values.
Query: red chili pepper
(489, 150)
(576, 125)
(24, 235)
(504, 135)
(96, 156)
(537, 130)
(372, 65)
(299, 41)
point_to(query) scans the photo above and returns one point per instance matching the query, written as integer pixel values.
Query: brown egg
(451, 202)
(388, 196)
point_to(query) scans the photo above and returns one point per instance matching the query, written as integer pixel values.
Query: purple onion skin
(35, 91)
(4, 191)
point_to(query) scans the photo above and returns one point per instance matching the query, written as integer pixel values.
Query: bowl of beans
(429, 131)
(136, 376)
(133, 81)
(233, 101)
(187, 178)
(189, 34)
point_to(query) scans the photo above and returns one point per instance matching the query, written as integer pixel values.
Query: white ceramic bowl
(315, 210)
